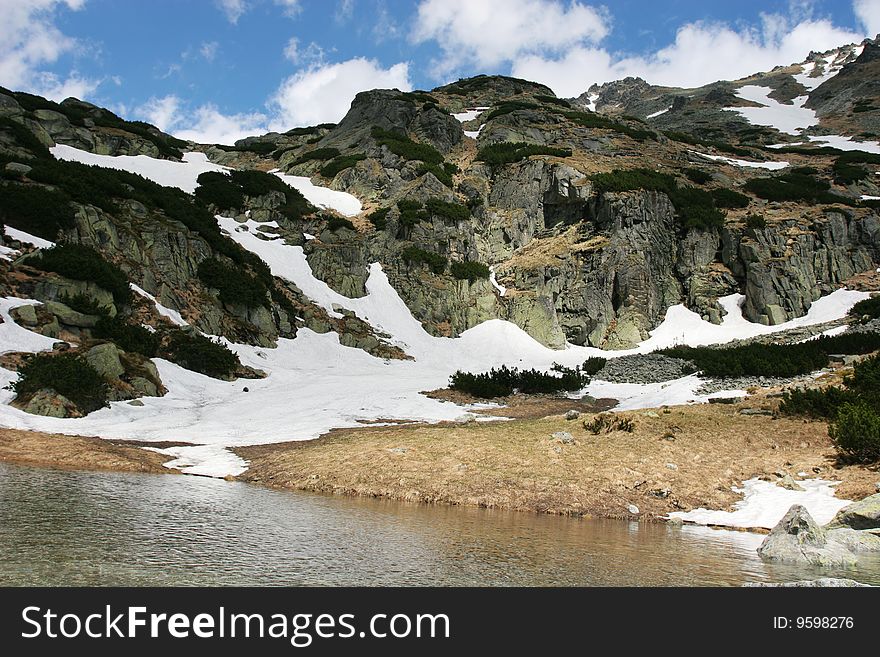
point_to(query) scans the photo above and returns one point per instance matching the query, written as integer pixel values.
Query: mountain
(427, 214)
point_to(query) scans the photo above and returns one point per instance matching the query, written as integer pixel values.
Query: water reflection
(79, 528)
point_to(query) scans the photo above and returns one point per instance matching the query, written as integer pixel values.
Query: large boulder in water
(799, 539)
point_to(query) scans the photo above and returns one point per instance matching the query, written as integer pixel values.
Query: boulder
(799, 539)
(17, 168)
(50, 403)
(564, 437)
(864, 514)
(70, 317)
(105, 359)
(26, 315)
(144, 387)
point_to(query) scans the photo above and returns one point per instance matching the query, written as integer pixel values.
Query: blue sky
(216, 70)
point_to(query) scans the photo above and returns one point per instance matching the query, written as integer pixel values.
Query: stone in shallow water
(799, 539)
(864, 514)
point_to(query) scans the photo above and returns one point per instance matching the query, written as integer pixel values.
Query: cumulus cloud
(324, 92)
(233, 9)
(310, 55)
(701, 53)
(205, 124)
(489, 33)
(30, 40)
(868, 14)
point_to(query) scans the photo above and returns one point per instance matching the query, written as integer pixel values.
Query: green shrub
(594, 120)
(756, 221)
(406, 148)
(697, 176)
(625, 180)
(36, 210)
(593, 365)
(83, 303)
(847, 174)
(497, 155)
(503, 381)
(856, 431)
(217, 189)
(201, 354)
(447, 211)
(341, 164)
(805, 171)
(257, 147)
(469, 270)
(727, 198)
(442, 172)
(553, 100)
(68, 375)
(128, 337)
(334, 223)
(379, 218)
(724, 147)
(779, 360)
(696, 208)
(865, 379)
(411, 212)
(416, 256)
(510, 106)
(869, 307)
(23, 137)
(83, 263)
(236, 287)
(794, 187)
(309, 130)
(317, 154)
(816, 403)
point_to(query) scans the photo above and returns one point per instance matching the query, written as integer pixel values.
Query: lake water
(86, 528)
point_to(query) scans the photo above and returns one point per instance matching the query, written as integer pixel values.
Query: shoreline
(676, 459)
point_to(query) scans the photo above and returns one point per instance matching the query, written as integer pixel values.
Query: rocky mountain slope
(488, 198)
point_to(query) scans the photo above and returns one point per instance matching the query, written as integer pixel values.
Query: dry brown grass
(77, 453)
(518, 465)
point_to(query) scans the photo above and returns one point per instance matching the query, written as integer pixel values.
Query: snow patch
(790, 119)
(22, 236)
(169, 173)
(173, 315)
(764, 504)
(324, 197)
(17, 338)
(772, 166)
(205, 460)
(501, 289)
(656, 114)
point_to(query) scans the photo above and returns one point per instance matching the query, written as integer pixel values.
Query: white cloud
(489, 33)
(868, 14)
(233, 9)
(206, 124)
(344, 11)
(318, 94)
(29, 40)
(312, 54)
(701, 53)
(323, 92)
(291, 7)
(208, 50)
